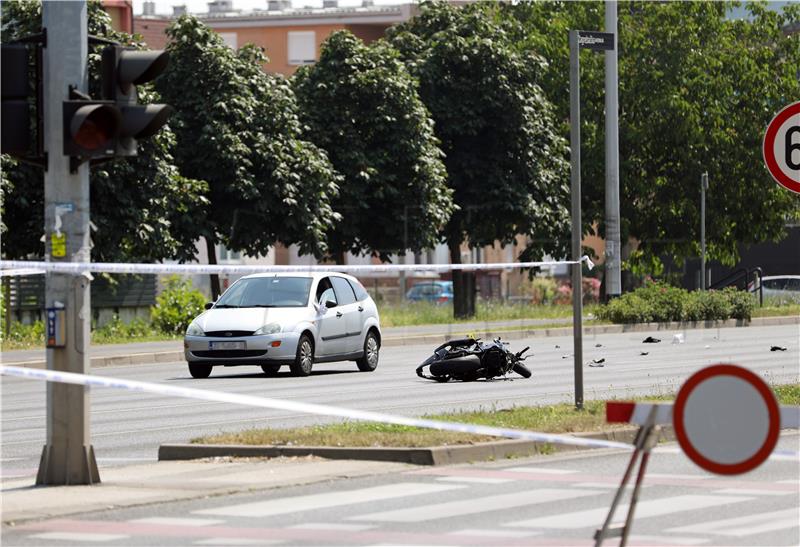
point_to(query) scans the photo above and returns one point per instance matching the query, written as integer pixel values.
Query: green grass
(777, 310)
(115, 332)
(559, 418)
(427, 313)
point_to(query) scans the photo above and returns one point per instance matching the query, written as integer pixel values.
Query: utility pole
(703, 188)
(613, 266)
(577, 228)
(68, 456)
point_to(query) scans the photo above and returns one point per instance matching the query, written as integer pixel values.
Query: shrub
(743, 303)
(116, 330)
(177, 305)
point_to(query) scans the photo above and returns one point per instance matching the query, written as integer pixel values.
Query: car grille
(231, 353)
(228, 333)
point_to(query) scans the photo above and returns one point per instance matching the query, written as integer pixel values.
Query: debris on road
(651, 340)
(678, 338)
(777, 348)
(598, 345)
(645, 353)
(597, 363)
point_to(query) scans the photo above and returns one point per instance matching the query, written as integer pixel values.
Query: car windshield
(267, 292)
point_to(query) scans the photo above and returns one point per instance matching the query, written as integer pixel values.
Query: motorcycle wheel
(522, 370)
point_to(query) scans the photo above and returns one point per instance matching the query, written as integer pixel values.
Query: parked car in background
(440, 292)
(271, 320)
(780, 288)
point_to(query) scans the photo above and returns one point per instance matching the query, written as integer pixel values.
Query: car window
(344, 292)
(793, 284)
(774, 283)
(267, 292)
(359, 290)
(325, 291)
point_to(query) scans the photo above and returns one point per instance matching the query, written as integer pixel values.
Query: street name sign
(781, 147)
(595, 40)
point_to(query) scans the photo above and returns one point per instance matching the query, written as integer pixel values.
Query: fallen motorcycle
(469, 359)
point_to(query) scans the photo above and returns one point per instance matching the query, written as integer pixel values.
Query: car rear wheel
(372, 347)
(270, 370)
(199, 371)
(304, 359)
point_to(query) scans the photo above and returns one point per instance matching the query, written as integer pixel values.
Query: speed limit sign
(782, 147)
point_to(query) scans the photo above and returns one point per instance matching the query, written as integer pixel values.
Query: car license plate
(239, 344)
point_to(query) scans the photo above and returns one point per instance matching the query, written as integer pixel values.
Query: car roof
(316, 275)
(768, 277)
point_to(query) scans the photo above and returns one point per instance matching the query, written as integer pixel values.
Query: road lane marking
(327, 500)
(744, 525)
(494, 533)
(475, 505)
(666, 540)
(333, 526)
(675, 476)
(74, 536)
(752, 492)
(237, 541)
(644, 509)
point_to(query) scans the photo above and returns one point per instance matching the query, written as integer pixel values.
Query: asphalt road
(551, 500)
(128, 427)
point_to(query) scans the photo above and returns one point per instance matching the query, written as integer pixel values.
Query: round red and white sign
(781, 147)
(726, 419)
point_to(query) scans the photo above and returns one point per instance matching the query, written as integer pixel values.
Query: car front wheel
(304, 359)
(199, 371)
(369, 361)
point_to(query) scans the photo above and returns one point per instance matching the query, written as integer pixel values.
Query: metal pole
(577, 230)
(613, 253)
(703, 188)
(68, 457)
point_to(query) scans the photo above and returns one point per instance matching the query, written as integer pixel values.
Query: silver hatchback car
(294, 319)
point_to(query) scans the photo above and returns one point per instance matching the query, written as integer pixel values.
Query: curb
(434, 455)
(394, 341)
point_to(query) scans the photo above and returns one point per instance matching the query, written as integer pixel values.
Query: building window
(231, 39)
(302, 47)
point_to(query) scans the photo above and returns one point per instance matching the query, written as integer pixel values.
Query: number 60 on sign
(782, 147)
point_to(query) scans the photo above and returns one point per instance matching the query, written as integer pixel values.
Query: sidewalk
(171, 351)
(174, 481)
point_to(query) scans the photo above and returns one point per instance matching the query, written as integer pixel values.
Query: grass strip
(559, 418)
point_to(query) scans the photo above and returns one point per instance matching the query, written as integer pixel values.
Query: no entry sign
(782, 147)
(726, 419)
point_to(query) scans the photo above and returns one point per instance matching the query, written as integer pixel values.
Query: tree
(238, 130)
(360, 104)
(140, 206)
(504, 158)
(697, 90)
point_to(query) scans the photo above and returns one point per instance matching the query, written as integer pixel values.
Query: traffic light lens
(93, 127)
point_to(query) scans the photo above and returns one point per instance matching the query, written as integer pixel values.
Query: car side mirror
(330, 304)
(209, 305)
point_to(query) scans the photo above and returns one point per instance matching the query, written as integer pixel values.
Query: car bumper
(257, 349)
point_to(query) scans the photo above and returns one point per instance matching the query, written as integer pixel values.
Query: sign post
(781, 148)
(597, 41)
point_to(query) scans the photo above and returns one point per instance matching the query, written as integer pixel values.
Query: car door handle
(338, 314)
(360, 308)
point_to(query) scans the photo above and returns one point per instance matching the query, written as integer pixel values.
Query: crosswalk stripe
(494, 533)
(644, 509)
(474, 505)
(744, 525)
(337, 526)
(753, 492)
(176, 521)
(72, 536)
(666, 540)
(542, 470)
(477, 480)
(331, 499)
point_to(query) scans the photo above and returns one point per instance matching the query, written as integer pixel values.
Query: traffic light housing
(122, 70)
(91, 127)
(16, 90)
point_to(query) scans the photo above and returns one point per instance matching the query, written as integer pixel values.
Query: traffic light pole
(577, 227)
(68, 457)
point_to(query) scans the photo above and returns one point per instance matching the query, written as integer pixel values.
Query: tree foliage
(505, 159)
(697, 90)
(141, 206)
(238, 130)
(361, 105)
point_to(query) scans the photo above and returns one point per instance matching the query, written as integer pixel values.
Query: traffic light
(16, 120)
(122, 70)
(91, 127)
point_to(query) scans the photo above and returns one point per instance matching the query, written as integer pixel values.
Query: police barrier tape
(306, 408)
(12, 267)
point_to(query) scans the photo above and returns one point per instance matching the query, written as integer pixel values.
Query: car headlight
(194, 330)
(270, 328)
